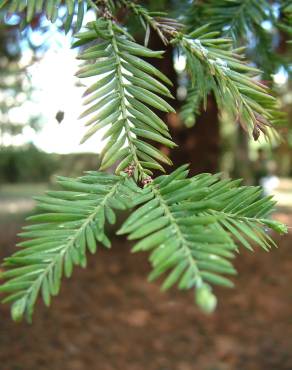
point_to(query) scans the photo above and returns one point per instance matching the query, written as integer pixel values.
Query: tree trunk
(199, 145)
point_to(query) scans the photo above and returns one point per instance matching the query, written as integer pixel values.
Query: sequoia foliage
(191, 227)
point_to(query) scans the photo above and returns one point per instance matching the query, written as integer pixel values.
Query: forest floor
(108, 317)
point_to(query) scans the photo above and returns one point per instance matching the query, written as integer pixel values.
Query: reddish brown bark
(199, 145)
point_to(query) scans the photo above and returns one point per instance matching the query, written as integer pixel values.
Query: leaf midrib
(184, 243)
(71, 241)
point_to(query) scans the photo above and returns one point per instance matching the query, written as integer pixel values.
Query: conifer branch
(122, 97)
(190, 225)
(28, 9)
(164, 26)
(73, 222)
(187, 224)
(236, 18)
(192, 104)
(213, 63)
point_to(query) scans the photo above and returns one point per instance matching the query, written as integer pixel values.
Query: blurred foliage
(263, 26)
(15, 84)
(27, 164)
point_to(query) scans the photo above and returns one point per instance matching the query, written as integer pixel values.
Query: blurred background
(108, 317)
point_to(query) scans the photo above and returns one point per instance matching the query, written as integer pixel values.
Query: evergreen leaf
(59, 241)
(190, 225)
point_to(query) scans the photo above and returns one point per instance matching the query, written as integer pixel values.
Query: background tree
(15, 84)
